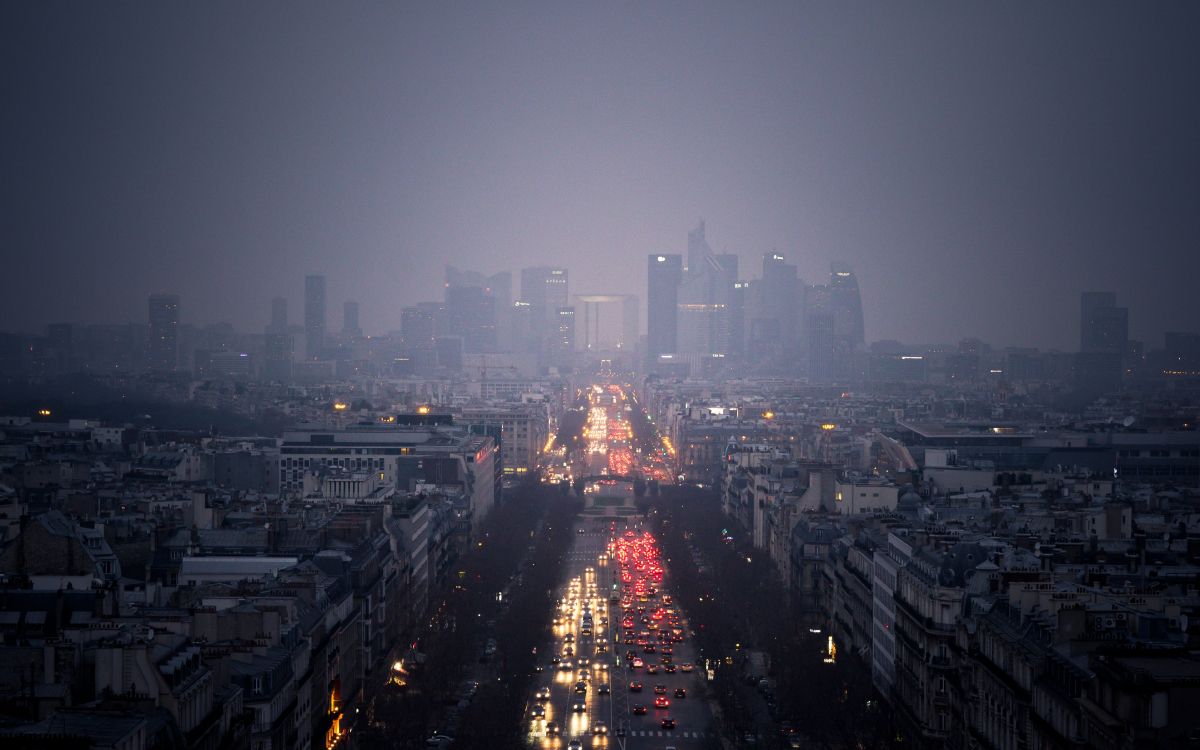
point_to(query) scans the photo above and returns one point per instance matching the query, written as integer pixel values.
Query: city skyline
(976, 185)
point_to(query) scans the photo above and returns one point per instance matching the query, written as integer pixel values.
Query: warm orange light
(340, 406)
(423, 410)
(43, 412)
(768, 415)
(828, 426)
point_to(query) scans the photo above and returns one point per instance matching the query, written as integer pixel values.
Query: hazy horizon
(977, 165)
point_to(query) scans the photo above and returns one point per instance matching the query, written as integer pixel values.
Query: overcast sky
(978, 164)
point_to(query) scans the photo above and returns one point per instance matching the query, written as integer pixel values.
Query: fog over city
(659, 375)
(977, 165)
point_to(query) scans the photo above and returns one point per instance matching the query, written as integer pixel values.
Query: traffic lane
(582, 555)
(691, 714)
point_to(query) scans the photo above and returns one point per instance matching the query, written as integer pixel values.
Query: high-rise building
(279, 316)
(663, 275)
(163, 349)
(1103, 327)
(545, 289)
(1103, 343)
(314, 317)
(471, 304)
(819, 338)
(703, 319)
(777, 306)
(350, 326)
(698, 248)
(278, 351)
(565, 341)
(846, 304)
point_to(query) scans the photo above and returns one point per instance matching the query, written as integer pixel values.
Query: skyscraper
(471, 307)
(1103, 327)
(1103, 343)
(846, 304)
(703, 321)
(163, 349)
(279, 316)
(350, 327)
(776, 310)
(314, 317)
(663, 274)
(545, 289)
(564, 344)
(698, 248)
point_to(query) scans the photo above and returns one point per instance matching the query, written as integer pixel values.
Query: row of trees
(739, 604)
(520, 551)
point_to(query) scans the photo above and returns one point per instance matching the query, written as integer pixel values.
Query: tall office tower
(820, 324)
(703, 325)
(663, 274)
(350, 327)
(1103, 343)
(471, 310)
(846, 303)
(545, 288)
(418, 325)
(774, 325)
(419, 330)
(698, 248)
(278, 351)
(564, 344)
(1103, 327)
(163, 348)
(521, 321)
(314, 317)
(279, 316)
(737, 319)
(501, 290)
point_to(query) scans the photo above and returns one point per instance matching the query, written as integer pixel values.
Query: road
(614, 711)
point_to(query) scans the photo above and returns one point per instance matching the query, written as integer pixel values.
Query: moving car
(639, 710)
(667, 723)
(635, 687)
(662, 702)
(680, 693)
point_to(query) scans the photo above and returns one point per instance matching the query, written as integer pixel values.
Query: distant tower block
(591, 303)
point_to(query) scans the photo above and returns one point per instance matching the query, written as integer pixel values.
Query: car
(662, 702)
(552, 729)
(651, 669)
(637, 663)
(660, 689)
(599, 728)
(686, 667)
(680, 692)
(439, 740)
(543, 695)
(539, 668)
(635, 687)
(668, 668)
(539, 712)
(603, 689)
(667, 723)
(580, 687)
(639, 710)
(578, 707)
(575, 744)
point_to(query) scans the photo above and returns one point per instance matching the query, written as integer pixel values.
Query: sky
(978, 164)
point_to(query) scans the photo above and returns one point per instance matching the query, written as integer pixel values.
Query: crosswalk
(662, 733)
